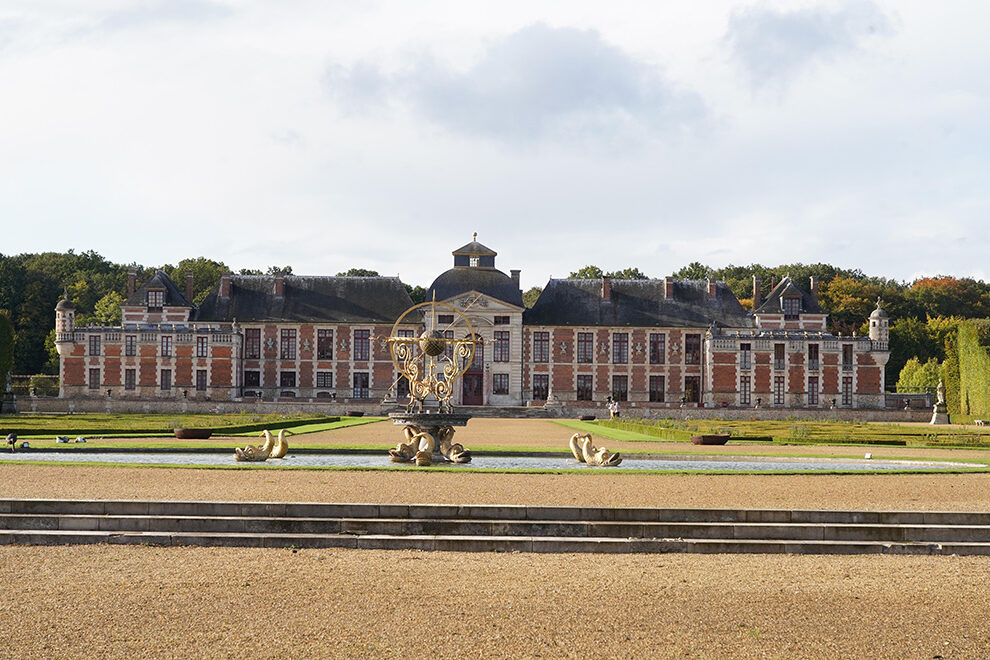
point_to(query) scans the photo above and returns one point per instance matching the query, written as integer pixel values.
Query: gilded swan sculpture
(255, 454)
(575, 445)
(281, 445)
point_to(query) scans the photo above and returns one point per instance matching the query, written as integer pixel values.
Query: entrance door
(472, 394)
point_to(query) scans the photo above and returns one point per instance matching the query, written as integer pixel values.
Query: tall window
(745, 356)
(778, 390)
(94, 379)
(812, 390)
(166, 379)
(658, 348)
(692, 349)
(620, 348)
(778, 356)
(847, 357)
(500, 347)
(201, 380)
(94, 344)
(202, 347)
(361, 389)
(657, 388)
(620, 388)
(792, 307)
(362, 345)
(586, 347)
(500, 383)
(324, 344)
(287, 379)
(402, 388)
(129, 379)
(252, 343)
(541, 386)
(745, 396)
(847, 390)
(541, 346)
(166, 345)
(448, 347)
(813, 357)
(130, 345)
(585, 387)
(287, 346)
(252, 378)
(325, 379)
(156, 300)
(692, 389)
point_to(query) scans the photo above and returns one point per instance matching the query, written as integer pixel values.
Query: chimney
(606, 288)
(668, 288)
(756, 291)
(515, 277)
(279, 286)
(131, 282)
(189, 286)
(712, 288)
(814, 289)
(225, 285)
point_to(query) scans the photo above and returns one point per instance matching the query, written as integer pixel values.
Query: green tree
(531, 295)
(909, 338)
(694, 271)
(206, 276)
(279, 270)
(917, 376)
(106, 312)
(417, 293)
(358, 272)
(587, 273)
(6, 347)
(628, 274)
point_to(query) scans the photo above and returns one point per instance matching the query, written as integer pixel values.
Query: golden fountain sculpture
(272, 448)
(432, 364)
(586, 452)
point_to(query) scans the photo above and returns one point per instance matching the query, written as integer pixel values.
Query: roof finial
(474, 236)
(878, 302)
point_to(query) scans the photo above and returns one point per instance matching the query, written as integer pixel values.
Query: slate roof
(310, 299)
(475, 248)
(636, 303)
(174, 297)
(786, 287)
(489, 281)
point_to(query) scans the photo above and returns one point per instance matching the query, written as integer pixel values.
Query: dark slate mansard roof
(310, 299)
(173, 296)
(573, 302)
(787, 288)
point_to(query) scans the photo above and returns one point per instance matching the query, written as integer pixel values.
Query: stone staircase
(491, 528)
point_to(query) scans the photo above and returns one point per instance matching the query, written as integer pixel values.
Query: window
(541, 346)
(658, 348)
(791, 307)
(129, 379)
(361, 384)
(500, 348)
(812, 390)
(657, 388)
(287, 347)
(201, 380)
(541, 386)
(325, 379)
(166, 345)
(445, 319)
(166, 380)
(585, 387)
(287, 379)
(620, 388)
(405, 333)
(778, 390)
(156, 300)
(402, 387)
(478, 361)
(847, 357)
(473, 262)
(813, 357)
(324, 344)
(94, 379)
(252, 379)
(692, 349)
(745, 356)
(362, 345)
(847, 390)
(620, 348)
(202, 347)
(778, 356)
(252, 343)
(130, 345)
(448, 346)
(692, 389)
(500, 383)
(94, 344)
(745, 396)
(585, 347)
(501, 320)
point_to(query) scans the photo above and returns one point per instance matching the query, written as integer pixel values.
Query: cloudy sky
(329, 135)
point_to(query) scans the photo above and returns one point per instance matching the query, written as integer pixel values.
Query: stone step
(480, 527)
(486, 543)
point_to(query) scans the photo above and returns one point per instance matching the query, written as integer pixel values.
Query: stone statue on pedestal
(940, 414)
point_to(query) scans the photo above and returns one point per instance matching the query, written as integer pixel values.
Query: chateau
(661, 343)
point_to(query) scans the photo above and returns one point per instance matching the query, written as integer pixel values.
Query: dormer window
(156, 300)
(791, 307)
(473, 262)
